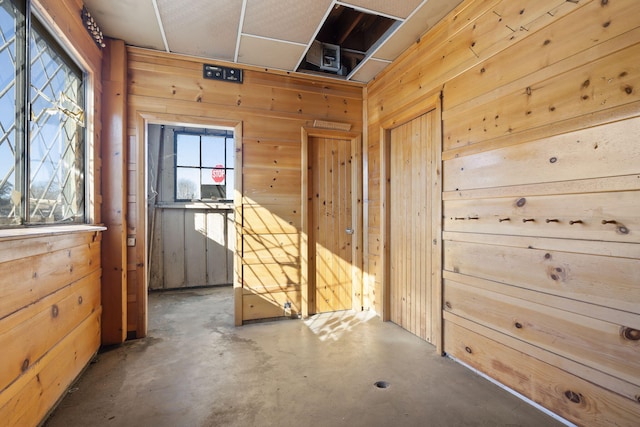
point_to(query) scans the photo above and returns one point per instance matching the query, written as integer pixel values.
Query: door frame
(405, 114)
(308, 304)
(143, 120)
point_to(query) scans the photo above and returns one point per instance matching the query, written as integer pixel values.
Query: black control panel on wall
(215, 72)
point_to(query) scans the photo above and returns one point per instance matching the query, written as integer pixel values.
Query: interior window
(204, 166)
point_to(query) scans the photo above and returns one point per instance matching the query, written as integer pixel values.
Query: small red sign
(218, 174)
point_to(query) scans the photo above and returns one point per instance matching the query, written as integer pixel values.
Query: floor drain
(381, 384)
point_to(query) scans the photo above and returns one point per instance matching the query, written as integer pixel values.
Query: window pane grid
(56, 155)
(202, 171)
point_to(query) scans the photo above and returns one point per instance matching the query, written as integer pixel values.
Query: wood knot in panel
(25, 365)
(573, 396)
(521, 202)
(54, 311)
(630, 334)
(557, 274)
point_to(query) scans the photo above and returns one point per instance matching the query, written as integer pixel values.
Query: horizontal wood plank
(271, 305)
(591, 216)
(583, 339)
(603, 151)
(29, 279)
(579, 401)
(271, 219)
(29, 398)
(608, 281)
(269, 249)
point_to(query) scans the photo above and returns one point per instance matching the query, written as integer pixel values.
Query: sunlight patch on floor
(333, 326)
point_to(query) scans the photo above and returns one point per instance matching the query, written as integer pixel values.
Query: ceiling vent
(345, 39)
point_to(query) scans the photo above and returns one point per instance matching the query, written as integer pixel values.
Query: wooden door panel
(411, 287)
(331, 215)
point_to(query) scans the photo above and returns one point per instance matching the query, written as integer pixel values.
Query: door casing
(404, 114)
(307, 290)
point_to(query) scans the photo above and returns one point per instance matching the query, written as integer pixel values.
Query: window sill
(43, 231)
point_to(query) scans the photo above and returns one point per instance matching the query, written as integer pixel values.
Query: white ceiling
(266, 33)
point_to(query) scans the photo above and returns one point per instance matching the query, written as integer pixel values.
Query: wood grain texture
(271, 108)
(51, 278)
(540, 201)
(114, 164)
(410, 226)
(331, 168)
(578, 400)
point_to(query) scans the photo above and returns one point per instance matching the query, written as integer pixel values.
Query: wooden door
(331, 231)
(411, 226)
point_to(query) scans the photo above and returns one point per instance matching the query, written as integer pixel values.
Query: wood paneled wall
(272, 107)
(50, 276)
(541, 195)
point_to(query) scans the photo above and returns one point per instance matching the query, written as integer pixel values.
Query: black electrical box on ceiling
(215, 72)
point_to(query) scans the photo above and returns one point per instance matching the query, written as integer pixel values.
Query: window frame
(31, 19)
(219, 132)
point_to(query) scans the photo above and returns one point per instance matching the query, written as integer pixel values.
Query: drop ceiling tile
(400, 9)
(207, 28)
(412, 29)
(133, 21)
(369, 70)
(291, 20)
(269, 53)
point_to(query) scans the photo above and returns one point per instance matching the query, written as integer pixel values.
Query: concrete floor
(196, 369)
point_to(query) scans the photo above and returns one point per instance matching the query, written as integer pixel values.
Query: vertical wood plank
(114, 203)
(173, 230)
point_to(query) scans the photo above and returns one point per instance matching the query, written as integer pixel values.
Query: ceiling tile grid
(265, 33)
(133, 21)
(207, 28)
(289, 20)
(269, 53)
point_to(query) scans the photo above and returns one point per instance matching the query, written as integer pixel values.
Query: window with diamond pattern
(42, 125)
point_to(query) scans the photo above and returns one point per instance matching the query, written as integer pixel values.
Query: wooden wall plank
(264, 278)
(603, 148)
(595, 216)
(217, 248)
(598, 23)
(540, 103)
(114, 163)
(592, 342)
(576, 276)
(269, 305)
(28, 400)
(271, 219)
(271, 248)
(30, 279)
(579, 401)
(174, 251)
(45, 323)
(195, 247)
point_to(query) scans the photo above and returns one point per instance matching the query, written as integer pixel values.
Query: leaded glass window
(42, 125)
